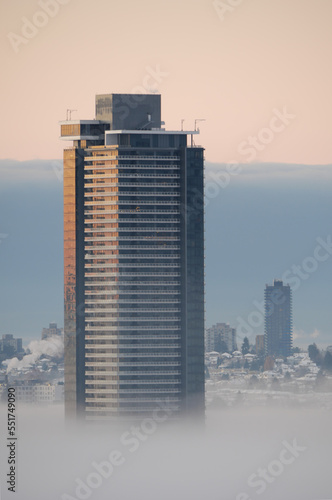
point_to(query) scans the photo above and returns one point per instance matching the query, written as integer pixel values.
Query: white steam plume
(52, 346)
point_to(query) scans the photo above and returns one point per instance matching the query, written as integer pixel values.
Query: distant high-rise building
(29, 392)
(10, 347)
(219, 337)
(134, 263)
(260, 344)
(278, 319)
(51, 330)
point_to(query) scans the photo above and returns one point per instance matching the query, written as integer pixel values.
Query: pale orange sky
(264, 55)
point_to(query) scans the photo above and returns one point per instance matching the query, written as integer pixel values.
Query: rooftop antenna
(149, 118)
(196, 129)
(198, 120)
(182, 124)
(69, 112)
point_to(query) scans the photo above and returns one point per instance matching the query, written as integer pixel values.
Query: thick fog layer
(240, 454)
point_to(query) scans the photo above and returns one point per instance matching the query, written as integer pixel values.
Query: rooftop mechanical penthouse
(133, 263)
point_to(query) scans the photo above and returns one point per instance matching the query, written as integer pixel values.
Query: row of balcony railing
(140, 387)
(120, 157)
(126, 310)
(95, 364)
(122, 356)
(89, 186)
(90, 339)
(134, 301)
(136, 256)
(125, 318)
(130, 176)
(136, 229)
(91, 213)
(132, 238)
(157, 329)
(118, 284)
(131, 373)
(130, 202)
(89, 222)
(133, 274)
(120, 247)
(133, 265)
(131, 292)
(137, 194)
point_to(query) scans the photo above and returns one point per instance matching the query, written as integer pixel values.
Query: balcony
(118, 284)
(137, 194)
(120, 356)
(134, 301)
(132, 230)
(130, 391)
(136, 347)
(127, 319)
(128, 373)
(132, 247)
(132, 292)
(135, 264)
(101, 185)
(129, 202)
(89, 222)
(90, 339)
(131, 328)
(132, 274)
(124, 211)
(131, 238)
(118, 400)
(135, 158)
(130, 176)
(130, 382)
(96, 364)
(125, 310)
(121, 338)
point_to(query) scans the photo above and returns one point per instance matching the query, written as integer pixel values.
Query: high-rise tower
(278, 319)
(134, 263)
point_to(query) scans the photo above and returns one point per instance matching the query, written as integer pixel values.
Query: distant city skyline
(272, 217)
(254, 78)
(260, 77)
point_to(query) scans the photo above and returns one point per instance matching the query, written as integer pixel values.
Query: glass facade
(278, 319)
(134, 254)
